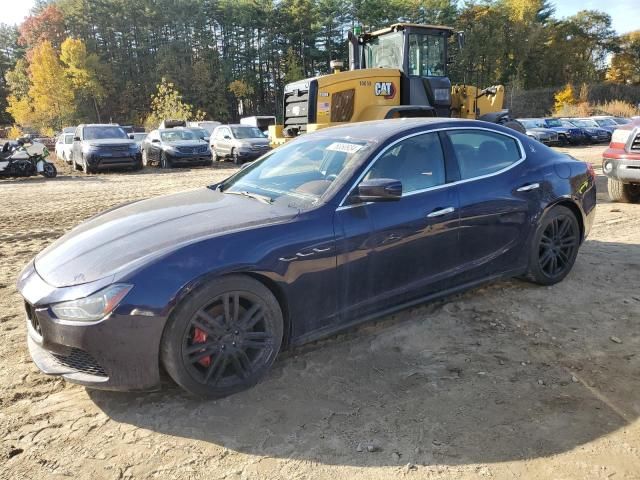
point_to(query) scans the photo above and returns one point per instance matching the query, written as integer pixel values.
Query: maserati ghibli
(329, 230)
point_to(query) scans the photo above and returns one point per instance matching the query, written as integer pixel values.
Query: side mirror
(379, 190)
(206, 139)
(227, 137)
(76, 139)
(131, 136)
(155, 140)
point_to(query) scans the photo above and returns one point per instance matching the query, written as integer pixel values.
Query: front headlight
(89, 148)
(94, 307)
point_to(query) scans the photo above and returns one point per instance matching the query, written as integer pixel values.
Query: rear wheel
(49, 170)
(223, 338)
(623, 192)
(555, 246)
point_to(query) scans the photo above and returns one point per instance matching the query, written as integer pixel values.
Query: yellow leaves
(523, 10)
(564, 98)
(20, 109)
(241, 89)
(15, 132)
(167, 103)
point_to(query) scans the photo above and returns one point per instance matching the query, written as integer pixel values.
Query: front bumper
(249, 155)
(189, 158)
(626, 170)
(103, 161)
(120, 352)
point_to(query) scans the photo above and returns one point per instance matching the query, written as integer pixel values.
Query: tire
(76, 167)
(554, 247)
(623, 192)
(238, 348)
(66, 160)
(49, 170)
(235, 157)
(145, 158)
(85, 167)
(164, 161)
(215, 156)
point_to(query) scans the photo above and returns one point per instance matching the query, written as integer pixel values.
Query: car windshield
(532, 123)
(569, 124)
(605, 122)
(586, 122)
(552, 122)
(98, 133)
(578, 123)
(68, 138)
(299, 173)
(384, 51)
(247, 132)
(426, 55)
(199, 132)
(177, 135)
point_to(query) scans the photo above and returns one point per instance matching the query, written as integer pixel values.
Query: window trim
(523, 157)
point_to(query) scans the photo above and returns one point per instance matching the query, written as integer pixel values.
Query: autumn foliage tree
(46, 26)
(167, 104)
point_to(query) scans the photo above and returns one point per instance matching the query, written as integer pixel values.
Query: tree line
(107, 60)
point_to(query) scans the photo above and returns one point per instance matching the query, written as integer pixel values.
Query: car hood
(126, 237)
(109, 142)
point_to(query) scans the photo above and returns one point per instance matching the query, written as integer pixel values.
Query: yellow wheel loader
(399, 71)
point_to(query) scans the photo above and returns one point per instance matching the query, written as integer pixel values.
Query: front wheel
(623, 192)
(49, 170)
(236, 158)
(554, 247)
(145, 158)
(223, 338)
(164, 161)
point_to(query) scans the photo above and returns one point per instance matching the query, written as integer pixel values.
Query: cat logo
(384, 89)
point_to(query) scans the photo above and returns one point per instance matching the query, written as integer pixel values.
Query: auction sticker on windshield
(344, 147)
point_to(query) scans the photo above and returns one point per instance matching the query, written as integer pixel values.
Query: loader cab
(420, 52)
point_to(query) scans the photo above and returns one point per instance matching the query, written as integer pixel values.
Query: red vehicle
(621, 163)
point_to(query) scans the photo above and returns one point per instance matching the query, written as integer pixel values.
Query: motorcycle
(21, 161)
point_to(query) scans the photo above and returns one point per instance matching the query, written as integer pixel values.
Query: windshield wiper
(255, 196)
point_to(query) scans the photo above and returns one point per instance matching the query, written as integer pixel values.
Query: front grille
(33, 319)
(81, 361)
(116, 148)
(202, 149)
(259, 148)
(635, 144)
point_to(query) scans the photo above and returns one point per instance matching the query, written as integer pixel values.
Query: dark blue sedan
(331, 229)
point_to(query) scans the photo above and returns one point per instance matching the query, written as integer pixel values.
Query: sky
(623, 12)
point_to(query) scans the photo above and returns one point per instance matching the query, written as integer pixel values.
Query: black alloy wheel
(224, 339)
(49, 170)
(555, 246)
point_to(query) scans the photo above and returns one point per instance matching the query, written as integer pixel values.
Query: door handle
(529, 187)
(441, 212)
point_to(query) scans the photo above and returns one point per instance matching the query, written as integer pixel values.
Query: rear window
(481, 152)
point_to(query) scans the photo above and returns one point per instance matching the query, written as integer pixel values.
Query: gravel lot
(511, 380)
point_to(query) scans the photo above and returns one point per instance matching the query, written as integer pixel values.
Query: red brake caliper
(200, 337)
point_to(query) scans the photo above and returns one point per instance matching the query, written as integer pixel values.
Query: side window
(480, 152)
(418, 162)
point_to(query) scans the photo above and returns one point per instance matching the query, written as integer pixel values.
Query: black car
(103, 146)
(331, 229)
(167, 147)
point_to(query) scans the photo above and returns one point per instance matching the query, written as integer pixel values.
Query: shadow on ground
(506, 372)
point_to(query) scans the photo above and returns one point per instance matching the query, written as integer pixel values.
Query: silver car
(241, 143)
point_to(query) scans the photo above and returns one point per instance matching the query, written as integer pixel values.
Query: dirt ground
(511, 380)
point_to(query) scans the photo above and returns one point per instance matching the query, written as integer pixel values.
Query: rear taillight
(591, 172)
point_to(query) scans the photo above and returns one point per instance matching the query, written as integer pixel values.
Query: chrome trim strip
(523, 157)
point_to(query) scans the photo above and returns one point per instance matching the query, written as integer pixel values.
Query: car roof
(99, 125)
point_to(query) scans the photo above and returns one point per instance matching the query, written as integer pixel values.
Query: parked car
(167, 147)
(621, 163)
(64, 146)
(331, 229)
(592, 134)
(621, 120)
(534, 129)
(241, 143)
(104, 146)
(566, 133)
(138, 137)
(605, 122)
